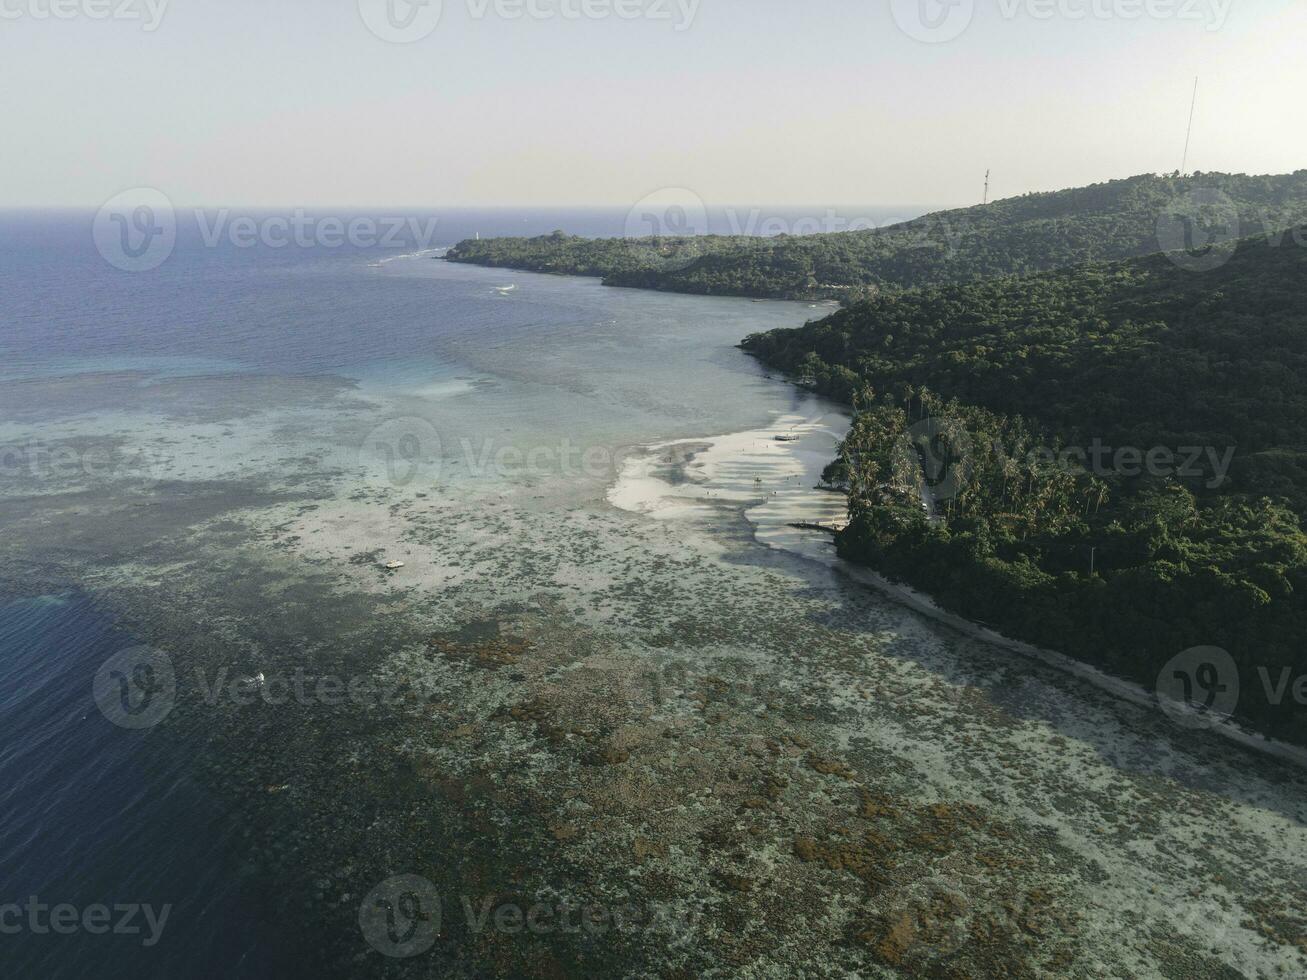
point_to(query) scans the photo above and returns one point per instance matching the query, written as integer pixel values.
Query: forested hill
(1140, 352)
(1114, 220)
(1117, 455)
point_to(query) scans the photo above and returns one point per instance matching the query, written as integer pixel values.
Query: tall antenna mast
(986, 186)
(1193, 105)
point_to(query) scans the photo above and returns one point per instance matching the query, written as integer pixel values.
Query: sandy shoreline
(771, 470)
(776, 480)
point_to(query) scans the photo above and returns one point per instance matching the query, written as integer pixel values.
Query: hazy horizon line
(616, 206)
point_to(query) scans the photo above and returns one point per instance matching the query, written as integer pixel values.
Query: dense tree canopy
(1182, 530)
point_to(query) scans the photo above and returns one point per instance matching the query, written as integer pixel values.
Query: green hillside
(1135, 417)
(1114, 220)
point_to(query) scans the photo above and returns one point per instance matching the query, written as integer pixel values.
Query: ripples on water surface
(99, 815)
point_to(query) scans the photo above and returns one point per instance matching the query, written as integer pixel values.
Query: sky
(361, 103)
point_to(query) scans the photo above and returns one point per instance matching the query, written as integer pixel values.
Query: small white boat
(504, 290)
(392, 565)
(787, 437)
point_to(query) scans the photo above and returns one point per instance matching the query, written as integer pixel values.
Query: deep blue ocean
(96, 815)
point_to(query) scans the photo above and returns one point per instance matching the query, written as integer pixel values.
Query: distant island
(1057, 430)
